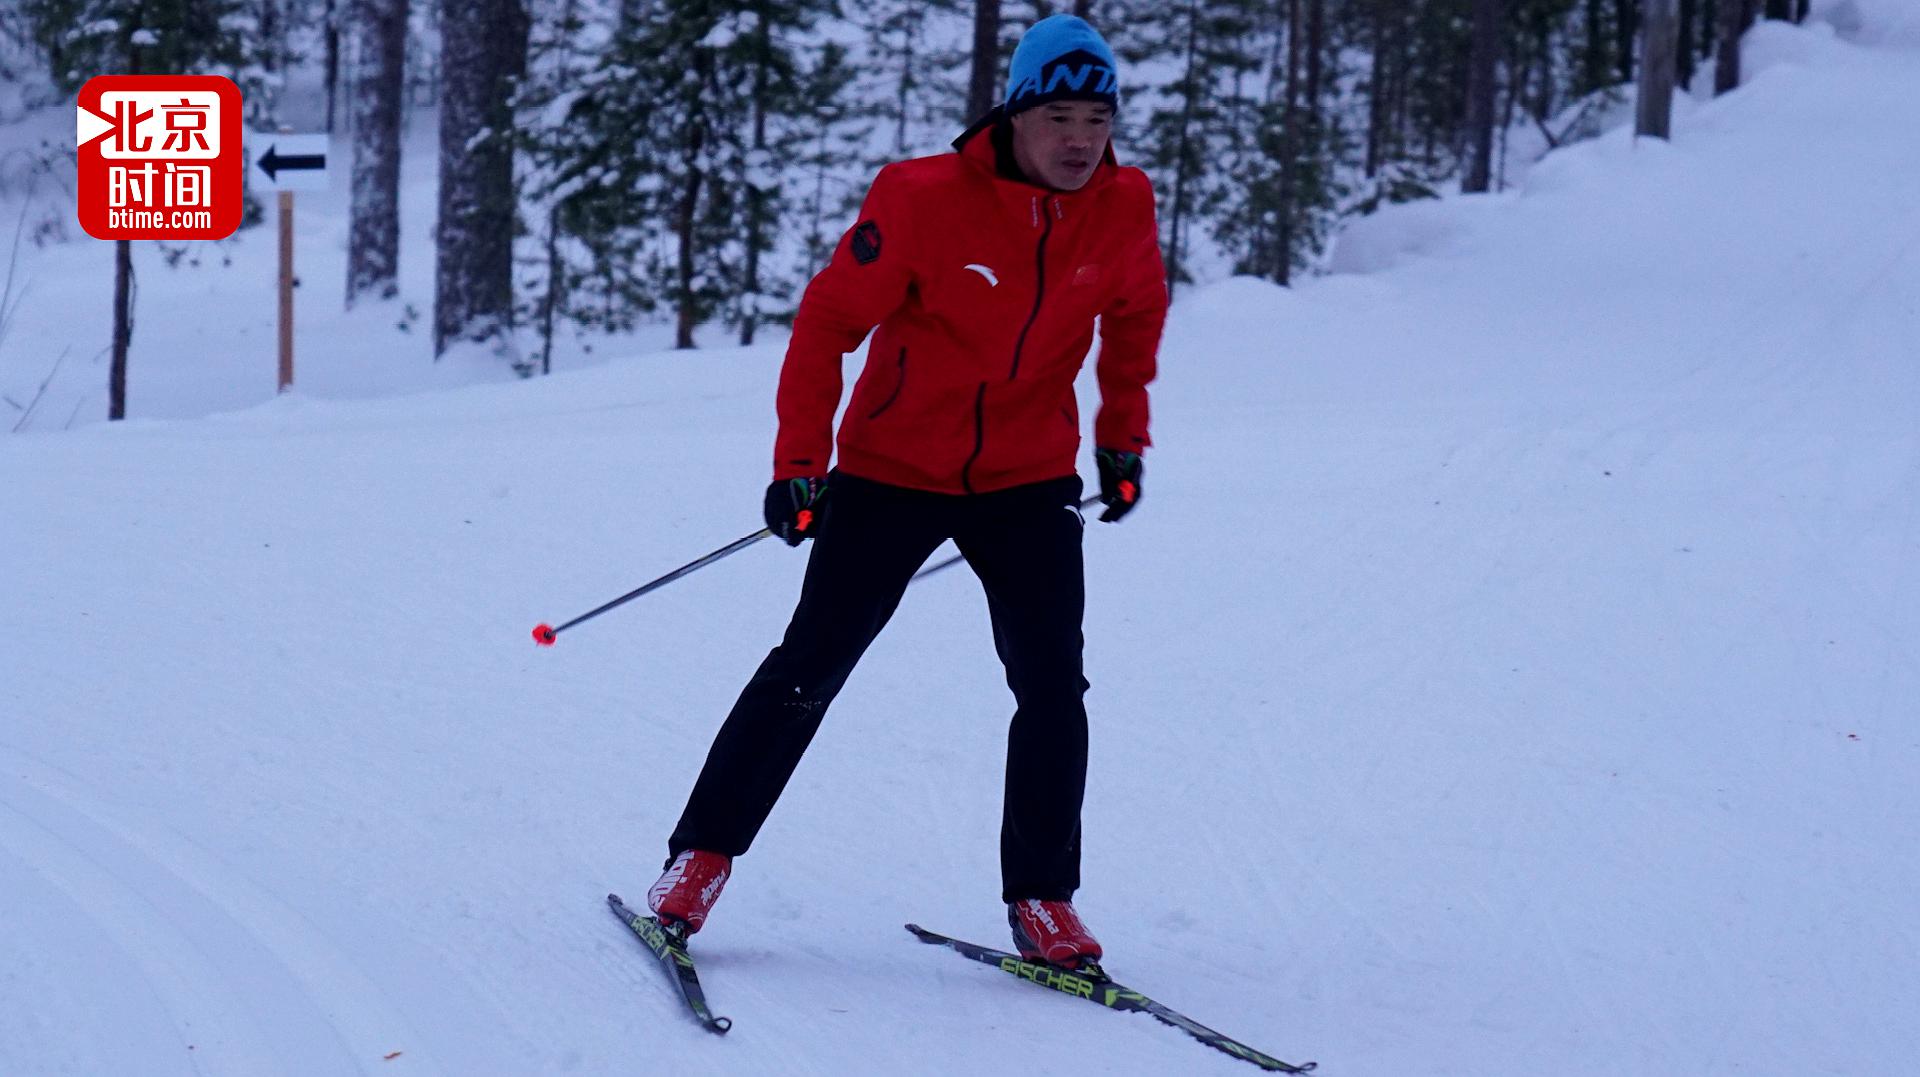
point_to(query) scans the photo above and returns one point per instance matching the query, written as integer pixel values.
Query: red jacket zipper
(980, 397)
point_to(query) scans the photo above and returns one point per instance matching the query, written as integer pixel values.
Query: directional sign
(282, 162)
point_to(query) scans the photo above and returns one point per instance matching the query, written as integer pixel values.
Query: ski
(1095, 985)
(670, 946)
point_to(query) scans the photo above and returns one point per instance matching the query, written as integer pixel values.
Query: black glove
(793, 508)
(1119, 481)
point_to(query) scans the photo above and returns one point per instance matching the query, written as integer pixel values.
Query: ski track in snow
(242, 979)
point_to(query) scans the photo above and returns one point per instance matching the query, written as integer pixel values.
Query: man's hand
(1119, 481)
(792, 510)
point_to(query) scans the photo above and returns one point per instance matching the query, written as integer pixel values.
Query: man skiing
(983, 271)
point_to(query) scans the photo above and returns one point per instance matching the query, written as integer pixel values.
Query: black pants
(1024, 544)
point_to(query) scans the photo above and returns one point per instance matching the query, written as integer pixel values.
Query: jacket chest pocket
(899, 383)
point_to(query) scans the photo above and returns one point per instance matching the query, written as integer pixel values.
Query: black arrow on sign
(272, 163)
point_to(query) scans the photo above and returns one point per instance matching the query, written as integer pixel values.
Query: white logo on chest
(984, 271)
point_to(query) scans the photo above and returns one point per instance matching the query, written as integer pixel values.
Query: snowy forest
(609, 163)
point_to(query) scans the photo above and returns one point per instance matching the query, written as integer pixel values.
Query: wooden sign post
(289, 163)
(286, 291)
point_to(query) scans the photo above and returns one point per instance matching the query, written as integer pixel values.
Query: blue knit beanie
(1061, 58)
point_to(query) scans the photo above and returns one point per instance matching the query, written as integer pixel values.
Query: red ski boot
(689, 887)
(1051, 931)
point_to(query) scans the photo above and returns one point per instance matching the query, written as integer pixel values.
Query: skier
(984, 271)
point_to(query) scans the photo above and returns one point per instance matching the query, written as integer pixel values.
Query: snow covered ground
(1513, 668)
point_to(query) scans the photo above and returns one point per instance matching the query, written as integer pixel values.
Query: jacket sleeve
(1130, 339)
(866, 280)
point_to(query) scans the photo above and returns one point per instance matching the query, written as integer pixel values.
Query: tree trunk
(1387, 130)
(1595, 57)
(264, 104)
(1282, 257)
(1626, 30)
(1780, 9)
(1703, 40)
(1176, 235)
(1683, 55)
(272, 58)
(122, 329)
(756, 196)
(556, 280)
(986, 58)
(1516, 88)
(1316, 48)
(1735, 17)
(1482, 67)
(1544, 100)
(1656, 70)
(473, 285)
(687, 214)
(816, 233)
(122, 279)
(1376, 93)
(332, 21)
(904, 98)
(1399, 126)
(373, 241)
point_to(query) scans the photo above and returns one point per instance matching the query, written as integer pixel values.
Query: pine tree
(830, 166)
(622, 159)
(1626, 30)
(1482, 89)
(1596, 52)
(1324, 157)
(373, 244)
(83, 38)
(680, 186)
(565, 41)
(1735, 16)
(1186, 134)
(586, 127)
(330, 48)
(484, 44)
(1280, 189)
(795, 77)
(914, 75)
(985, 70)
(1660, 34)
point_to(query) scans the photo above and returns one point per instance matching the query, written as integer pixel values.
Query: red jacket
(985, 291)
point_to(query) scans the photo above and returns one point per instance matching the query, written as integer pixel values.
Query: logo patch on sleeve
(866, 242)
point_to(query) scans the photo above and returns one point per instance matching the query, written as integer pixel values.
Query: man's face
(1060, 144)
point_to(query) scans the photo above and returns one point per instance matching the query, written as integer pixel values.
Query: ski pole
(545, 634)
(1085, 502)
